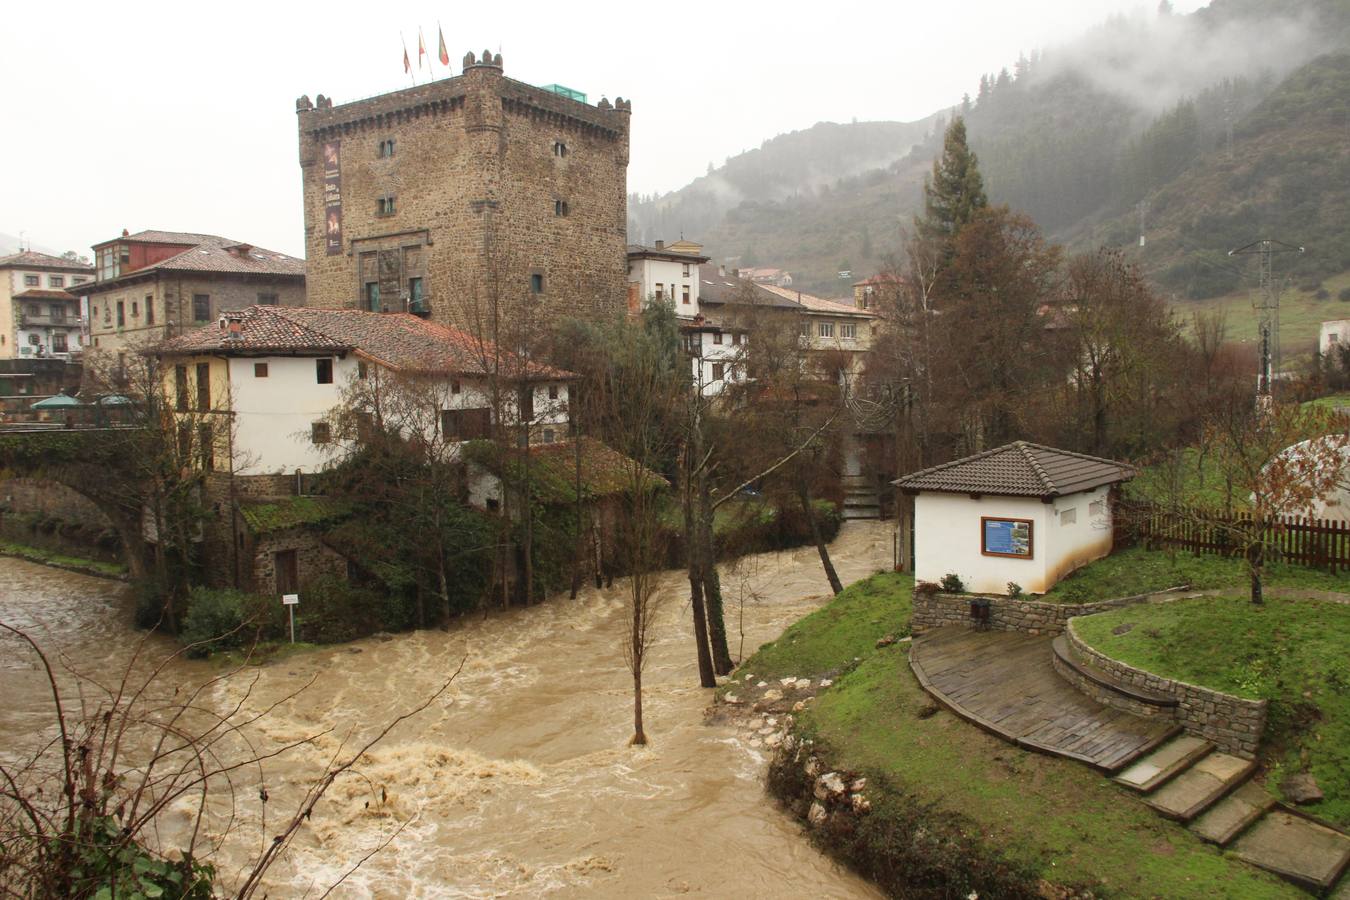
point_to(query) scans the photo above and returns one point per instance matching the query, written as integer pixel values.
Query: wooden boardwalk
(1004, 682)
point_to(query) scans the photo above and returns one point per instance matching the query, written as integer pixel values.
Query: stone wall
(1005, 614)
(484, 198)
(1233, 724)
(68, 522)
(313, 559)
(1105, 695)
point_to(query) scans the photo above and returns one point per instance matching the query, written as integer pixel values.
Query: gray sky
(181, 117)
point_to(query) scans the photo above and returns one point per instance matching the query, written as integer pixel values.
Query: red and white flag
(421, 48)
(445, 54)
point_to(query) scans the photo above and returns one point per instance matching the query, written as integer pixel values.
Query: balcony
(42, 320)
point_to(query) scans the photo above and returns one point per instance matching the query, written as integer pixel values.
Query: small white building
(1022, 513)
(1335, 334)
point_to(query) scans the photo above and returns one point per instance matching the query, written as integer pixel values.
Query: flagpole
(407, 66)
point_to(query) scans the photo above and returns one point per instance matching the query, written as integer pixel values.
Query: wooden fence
(1319, 543)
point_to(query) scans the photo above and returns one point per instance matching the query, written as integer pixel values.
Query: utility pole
(1143, 221)
(1267, 302)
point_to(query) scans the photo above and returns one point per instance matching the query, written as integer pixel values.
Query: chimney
(126, 233)
(722, 270)
(660, 245)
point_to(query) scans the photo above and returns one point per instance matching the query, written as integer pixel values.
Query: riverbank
(926, 805)
(94, 567)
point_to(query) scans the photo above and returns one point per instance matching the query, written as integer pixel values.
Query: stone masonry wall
(1233, 724)
(1105, 695)
(1005, 613)
(478, 185)
(313, 559)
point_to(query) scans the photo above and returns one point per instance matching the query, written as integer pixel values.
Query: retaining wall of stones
(1106, 696)
(1233, 724)
(1005, 614)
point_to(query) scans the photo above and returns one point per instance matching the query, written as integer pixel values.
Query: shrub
(1014, 590)
(952, 583)
(927, 588)
(331, 611)
(1344, 295)
(223, 619)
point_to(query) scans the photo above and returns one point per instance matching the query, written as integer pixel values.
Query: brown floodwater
(519, 781)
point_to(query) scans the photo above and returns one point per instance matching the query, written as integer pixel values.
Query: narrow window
(686, 270)
(717, 371)
(260, 370)
(149, 309)
(59, 344)
(414, 293)
(559, 149)
(180, 386)
(536, 283)
(203, 386)
(553, 392)
(320, 433)
(201, 307)
(184, 442)
(323, 371)
(717, 337)
(207, 446)
(526, 403)
(373, 296)
(362, 370)
(454, 387)
(560, 207)
(107, 315)
(135, 310)
(384, 206)
(660, 291)
(736, 338)
(386, 148)
(684, 297)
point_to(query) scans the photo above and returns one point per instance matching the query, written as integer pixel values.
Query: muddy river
(519, 781)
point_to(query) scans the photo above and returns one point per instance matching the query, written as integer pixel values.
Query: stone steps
(1297, 848)
(1200, 786)
(1233, 814)
(1165, 763)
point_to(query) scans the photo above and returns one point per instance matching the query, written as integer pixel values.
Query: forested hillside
(1207, 131)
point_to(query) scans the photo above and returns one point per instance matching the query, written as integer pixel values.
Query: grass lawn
(1198, 482)
(1294, 653)
(848, 626)
(49, 557)
(1048, 817)
(1139, 571)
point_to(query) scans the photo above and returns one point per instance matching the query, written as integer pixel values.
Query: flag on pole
(445, 54)
(407, 63)
(421, 48)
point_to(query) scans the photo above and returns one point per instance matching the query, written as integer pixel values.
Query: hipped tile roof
(398, 341)
(1019, 469)
(44, 294)
(31, 259)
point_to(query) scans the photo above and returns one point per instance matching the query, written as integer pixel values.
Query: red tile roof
(205, 253)
(1019, 469)
(397, 341)
(31, 259)
(44, 294)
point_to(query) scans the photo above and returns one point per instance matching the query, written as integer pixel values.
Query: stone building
(464, 196)
(39, 317)
(154, 285)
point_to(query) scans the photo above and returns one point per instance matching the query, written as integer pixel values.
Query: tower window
(560, 207)
(559, 149)
(385, 148)
(536, 282)
(384, 206)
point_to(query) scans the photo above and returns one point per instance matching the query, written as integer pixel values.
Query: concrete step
(854, 513)
(1301, 850)
(1200, 787)
(1230, 816)
(1165, 763)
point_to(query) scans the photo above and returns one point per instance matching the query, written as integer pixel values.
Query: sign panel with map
(1006, 537)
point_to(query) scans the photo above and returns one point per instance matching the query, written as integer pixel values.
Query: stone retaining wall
(1106, 696)
(1233, 724)
(1005, 613)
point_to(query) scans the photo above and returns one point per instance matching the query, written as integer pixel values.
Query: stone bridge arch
(103, 465)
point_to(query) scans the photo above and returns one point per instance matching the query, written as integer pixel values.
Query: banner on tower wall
(332, 196)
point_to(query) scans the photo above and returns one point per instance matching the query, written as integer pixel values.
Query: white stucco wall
(947, 538)
(273, 415)
(1333, 335)
(648, 273)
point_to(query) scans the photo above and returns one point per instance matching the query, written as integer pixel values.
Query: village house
(1022, 514)
(1334, 337)
(254, 395)
(39, 316)
(155, 285)
(881, 291)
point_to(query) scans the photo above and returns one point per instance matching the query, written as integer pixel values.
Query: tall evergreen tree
(955, 190)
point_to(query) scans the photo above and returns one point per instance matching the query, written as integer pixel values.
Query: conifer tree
(955, 190)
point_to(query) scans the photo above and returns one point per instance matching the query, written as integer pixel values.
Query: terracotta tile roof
(818, 304)
(880, 278)
(715, 287)
(218, 254)
(397, 341)
(31, 259)
(1019, 469)
(44, 294)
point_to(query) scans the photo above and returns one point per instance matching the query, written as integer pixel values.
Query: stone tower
(476, 200)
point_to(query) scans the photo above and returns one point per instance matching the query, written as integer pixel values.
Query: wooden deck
(1004, 683)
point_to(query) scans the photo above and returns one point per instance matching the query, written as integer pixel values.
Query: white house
(1022, 513)
(1335, 334)
(264, 379)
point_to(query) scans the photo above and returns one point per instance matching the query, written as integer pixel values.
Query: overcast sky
(181, 116)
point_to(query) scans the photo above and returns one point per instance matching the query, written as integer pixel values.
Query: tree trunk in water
(712, 590)
(639, 736)
(706, 675)
(805, 497)
(445, 589)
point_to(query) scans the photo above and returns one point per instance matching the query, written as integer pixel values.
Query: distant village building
(766, 275)
(878, 292)
(39, 316)
(154, 285)
(1022, 513)
(1334, 337)
(478, 201)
